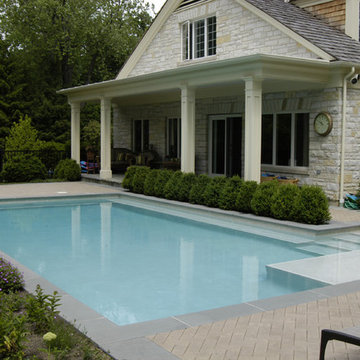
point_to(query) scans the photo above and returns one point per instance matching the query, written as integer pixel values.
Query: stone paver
(290, 333)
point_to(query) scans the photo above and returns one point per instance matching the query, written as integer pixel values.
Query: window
(199, 38)
(140, 135)
(285, 139)
(173, 138)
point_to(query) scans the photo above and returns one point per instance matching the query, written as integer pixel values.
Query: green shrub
(311, 206)
(10, 277)
(68, 170)
(229, 192)
(139, 179)
(23, 168)
(161, 180)
(185, 185)
(245, 195)
(196, 195)
(213, 190)
(150, 182)
(129, 176)
(262, 198)
(172, 186)
(283, 202)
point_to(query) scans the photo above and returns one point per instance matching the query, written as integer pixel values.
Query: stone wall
(239, 33)
(324, 152)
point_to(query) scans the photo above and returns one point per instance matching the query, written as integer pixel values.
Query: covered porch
(248, 78)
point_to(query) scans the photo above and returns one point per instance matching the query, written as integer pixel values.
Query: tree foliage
(63, 43)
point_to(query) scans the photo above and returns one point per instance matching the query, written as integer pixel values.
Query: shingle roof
(332, 41)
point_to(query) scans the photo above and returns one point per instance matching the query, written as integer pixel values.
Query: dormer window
(199, 38)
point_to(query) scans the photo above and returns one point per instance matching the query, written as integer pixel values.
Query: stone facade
(239, 33)
(324, 152)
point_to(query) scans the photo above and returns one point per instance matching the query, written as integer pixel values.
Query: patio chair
(350, 336)
(91, 163)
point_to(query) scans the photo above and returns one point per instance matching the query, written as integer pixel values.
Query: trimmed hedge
(161, 180)
(312, 206)
(149, 183)
(263, 197)
(283, 200)
(213, 190)
(245, 195)
(139, 179)
(196, 194)
(229, 193)
(68, 170)
(307, 204)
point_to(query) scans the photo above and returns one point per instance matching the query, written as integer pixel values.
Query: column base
(105, 174)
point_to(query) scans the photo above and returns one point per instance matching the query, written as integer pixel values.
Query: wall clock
(323, 123)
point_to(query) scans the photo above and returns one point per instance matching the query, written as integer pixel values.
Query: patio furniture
(121, 158)
(90, 165)
(350, 336)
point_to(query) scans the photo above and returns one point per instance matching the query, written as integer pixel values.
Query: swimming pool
(132, 265)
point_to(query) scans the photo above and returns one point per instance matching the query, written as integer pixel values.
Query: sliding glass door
(225, 145)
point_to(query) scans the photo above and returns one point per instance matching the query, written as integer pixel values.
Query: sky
(158, 4)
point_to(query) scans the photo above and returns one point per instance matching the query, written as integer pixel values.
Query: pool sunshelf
(132, 264)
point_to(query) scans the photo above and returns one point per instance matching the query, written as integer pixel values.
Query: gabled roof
(332, 41)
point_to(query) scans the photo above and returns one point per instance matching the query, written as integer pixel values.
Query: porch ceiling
(219, 78)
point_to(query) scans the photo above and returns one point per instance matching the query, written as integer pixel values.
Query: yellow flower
(49, 336)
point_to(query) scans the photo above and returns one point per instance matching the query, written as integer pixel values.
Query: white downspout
(343, 130)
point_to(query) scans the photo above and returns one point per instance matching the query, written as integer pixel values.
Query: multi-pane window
(140, 135)
(285, 139)
(173, 137)
(199, 38)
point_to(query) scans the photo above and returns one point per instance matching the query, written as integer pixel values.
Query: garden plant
(306, 204)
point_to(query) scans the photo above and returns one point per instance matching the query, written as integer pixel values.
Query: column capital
(75, 105)
(253, 84)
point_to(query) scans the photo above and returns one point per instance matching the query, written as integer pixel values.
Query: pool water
(133, 265)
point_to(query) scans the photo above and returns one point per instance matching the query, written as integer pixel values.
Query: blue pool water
(134, 265)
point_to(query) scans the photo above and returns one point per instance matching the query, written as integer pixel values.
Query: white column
(75, 131)
(253, 96)
(105, 153)
(187, 129)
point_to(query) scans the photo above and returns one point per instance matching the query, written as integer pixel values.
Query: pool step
(319, 249)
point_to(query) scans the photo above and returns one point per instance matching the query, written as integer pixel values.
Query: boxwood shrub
(311, 206)
(263, 197)
(196, 195)
(213, 190)
(139, 179)
(184, 187)
(68, 170)
(229, 193)
(129, 176)
(283, 202)
(245, 195)
(160, 182)
(150, 182)
(172, 186)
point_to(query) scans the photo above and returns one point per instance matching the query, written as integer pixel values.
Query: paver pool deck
(286, 327)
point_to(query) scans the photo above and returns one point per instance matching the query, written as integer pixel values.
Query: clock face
(323, 123)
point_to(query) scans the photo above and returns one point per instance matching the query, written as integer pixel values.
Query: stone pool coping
(129, 341)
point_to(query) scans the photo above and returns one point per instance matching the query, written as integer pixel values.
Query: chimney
(341, 14)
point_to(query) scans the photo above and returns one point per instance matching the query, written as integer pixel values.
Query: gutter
(343, 130)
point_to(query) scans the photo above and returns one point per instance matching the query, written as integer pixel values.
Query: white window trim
(292, 165)
(192, 51)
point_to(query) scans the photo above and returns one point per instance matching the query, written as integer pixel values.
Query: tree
(64, 43)
(23, 136)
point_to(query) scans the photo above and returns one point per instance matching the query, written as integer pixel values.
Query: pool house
(244, 87)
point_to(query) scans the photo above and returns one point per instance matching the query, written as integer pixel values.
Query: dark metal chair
(350, 336)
